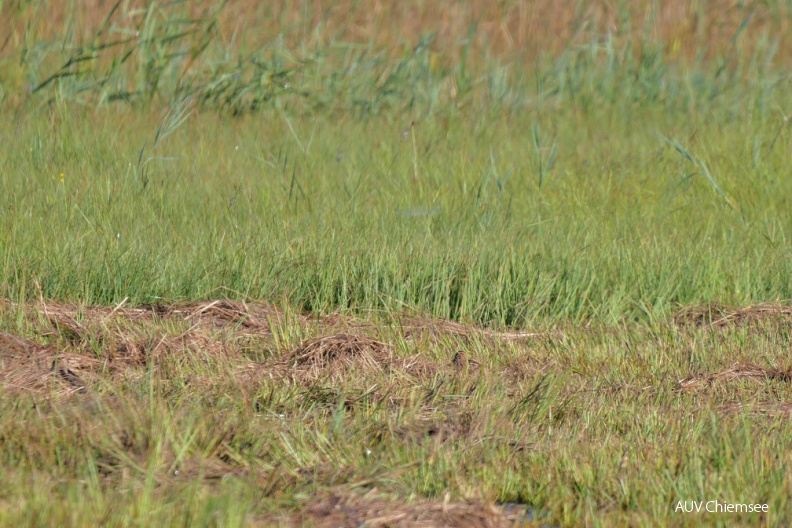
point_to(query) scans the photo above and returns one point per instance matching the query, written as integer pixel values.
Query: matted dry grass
(26, 367)
(354, 512)
(340, 351)
(716, 315)
(781, 409)
(91, 347)
(253, 319)
(216, 314)
(221, 314)
(737, 371)
(87, 341)
(335, 357)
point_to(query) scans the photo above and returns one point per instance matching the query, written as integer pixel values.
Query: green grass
(335, 212)
(588, 197)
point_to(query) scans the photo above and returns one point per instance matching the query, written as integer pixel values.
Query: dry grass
(716, 315)
(335, 357)
(189, 470)
(364, 434)
(771, 409)
(250, 319)
(118, 340)
(26, 367)
(93, 342)
(737, 371)
(438, 429)
(354, 512)
(216, 314)
(327, 353)
(255, 319)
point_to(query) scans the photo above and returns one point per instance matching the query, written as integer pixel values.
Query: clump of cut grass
(721, 316)
(342, 357)
(337, 355)
(735, 372)
(251, 319)
(31, 369)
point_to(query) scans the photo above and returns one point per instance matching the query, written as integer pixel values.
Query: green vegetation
(566, 191)
(331, 213)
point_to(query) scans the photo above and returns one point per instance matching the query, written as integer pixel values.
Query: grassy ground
(304, 264)
(226, 413)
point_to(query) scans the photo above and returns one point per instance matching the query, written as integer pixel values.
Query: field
(475, 264)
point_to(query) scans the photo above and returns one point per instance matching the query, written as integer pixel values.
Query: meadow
(335, 263)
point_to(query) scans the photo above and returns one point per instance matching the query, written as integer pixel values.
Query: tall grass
(332, 213)
(356, 176)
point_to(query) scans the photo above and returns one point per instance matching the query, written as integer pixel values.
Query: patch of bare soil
(716, 315)
(353, 512)
(735, 372)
